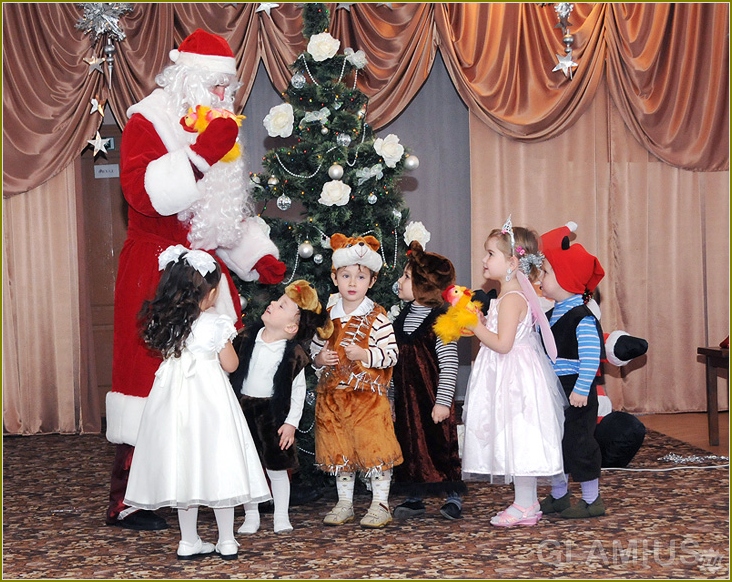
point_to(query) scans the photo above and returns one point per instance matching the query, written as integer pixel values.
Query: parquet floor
(692, 428)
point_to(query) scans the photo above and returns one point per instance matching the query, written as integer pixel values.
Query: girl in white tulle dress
(194, 447)
(514, 406)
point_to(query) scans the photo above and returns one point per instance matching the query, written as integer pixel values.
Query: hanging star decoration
(99, 143)
(97, 107)
(266, 7)
(345, 6)
(95, 64)
(565, 64)
(102, 18)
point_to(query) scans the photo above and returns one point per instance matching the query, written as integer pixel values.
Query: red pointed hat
(576, 270)
(203, 50)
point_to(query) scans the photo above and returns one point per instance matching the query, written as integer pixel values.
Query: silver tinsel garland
(102, 18)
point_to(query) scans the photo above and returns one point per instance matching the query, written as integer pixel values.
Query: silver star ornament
(99, 143)
(565, 64)
(266, 7)
(96, 107)
(95, 64)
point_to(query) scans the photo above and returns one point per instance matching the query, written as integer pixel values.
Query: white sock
(225, 523)
(280, 484)
(251, 519)
(188, 522)
(345, 483)
(560, 486)
(380, 485)
(524, 496)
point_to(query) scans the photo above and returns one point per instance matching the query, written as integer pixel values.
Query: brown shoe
(582, 510)
(551, 505)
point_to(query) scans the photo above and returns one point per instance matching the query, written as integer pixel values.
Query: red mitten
(271, 271)
(216, 140)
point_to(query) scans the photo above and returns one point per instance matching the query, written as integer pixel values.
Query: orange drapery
(666, 66)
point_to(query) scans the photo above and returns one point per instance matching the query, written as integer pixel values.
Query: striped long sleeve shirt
(588, 346)
(447, 356)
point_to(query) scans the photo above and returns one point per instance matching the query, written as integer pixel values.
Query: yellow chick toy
(197, 120)
(463, 312)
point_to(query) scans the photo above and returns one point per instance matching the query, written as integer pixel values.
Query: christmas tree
(342, 175)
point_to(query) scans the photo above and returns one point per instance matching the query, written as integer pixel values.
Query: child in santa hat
(424, 387)
(570, 275)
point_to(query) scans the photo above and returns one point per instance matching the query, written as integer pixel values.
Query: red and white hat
(203, 50)
(577, 271)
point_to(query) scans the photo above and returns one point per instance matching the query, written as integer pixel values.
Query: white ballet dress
(513, 410)
(194, 447)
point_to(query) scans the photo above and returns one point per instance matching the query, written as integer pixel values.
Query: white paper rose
(357, 59)
(417, 231)
(323, 46)
(335, 193)
(280, 120)
(390, 149)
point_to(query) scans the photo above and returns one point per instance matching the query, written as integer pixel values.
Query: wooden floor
(691, 427)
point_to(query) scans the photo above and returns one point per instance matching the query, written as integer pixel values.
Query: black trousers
(581, 452)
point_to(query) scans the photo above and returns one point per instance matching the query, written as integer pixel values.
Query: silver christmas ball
(343, 140)
(411, 162)
(284, 202)
(324, 130)
(310, 397)
(397, 216)
(372, 199)
(395, 287)
(256, 179)
(298, 80)
(335, 171)
(243, 302)
(305, 250)
(318, 259)
(273, 181)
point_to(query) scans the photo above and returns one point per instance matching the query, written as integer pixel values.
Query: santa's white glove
(255, 256)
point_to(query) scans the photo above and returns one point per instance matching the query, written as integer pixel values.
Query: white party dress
(194, 447)
(513, 410)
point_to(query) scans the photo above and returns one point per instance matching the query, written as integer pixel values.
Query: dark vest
(294, 359)
(565, 332)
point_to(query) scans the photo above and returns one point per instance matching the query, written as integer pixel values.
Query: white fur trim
(197, 160)
(612, 339)
(572, 226)
(213, 63)
(171, 184)
(253, 245)
(358, 254)
(124, 414)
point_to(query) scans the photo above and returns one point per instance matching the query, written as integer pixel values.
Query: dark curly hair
(166, 320)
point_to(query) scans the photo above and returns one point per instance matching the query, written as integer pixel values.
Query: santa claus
(179, 191)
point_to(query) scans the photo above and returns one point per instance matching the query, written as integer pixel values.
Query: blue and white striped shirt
(588, 348)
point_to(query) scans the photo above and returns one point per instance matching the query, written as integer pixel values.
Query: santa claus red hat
(576, 270)
(203, 50)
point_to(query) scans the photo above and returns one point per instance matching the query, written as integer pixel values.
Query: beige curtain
(655, 229)
(651, 84)
(46, 361)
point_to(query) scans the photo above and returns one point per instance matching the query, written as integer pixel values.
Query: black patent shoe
(142, 520)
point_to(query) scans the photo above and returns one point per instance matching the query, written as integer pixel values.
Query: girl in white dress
(193, 447)
(514, 406)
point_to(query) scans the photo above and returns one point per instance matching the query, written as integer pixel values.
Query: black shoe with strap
(409, 509)
(141, 520)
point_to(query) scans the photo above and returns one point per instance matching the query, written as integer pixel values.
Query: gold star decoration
(565, 64)
(99, 143)
(97, 107)
(266, 7)
(95, 64)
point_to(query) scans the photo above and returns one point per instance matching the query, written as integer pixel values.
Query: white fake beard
(216, 219)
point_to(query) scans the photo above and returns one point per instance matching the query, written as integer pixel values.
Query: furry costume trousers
(263, 426)
(354, 432)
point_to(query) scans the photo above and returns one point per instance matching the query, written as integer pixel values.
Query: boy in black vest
(270, 385)
(570, 275)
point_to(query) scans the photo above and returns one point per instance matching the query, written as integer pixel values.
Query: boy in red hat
(570, 275)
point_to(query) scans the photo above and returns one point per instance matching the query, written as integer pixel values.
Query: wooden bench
(715, 357)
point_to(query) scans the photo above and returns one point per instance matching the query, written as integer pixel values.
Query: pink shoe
(529, 516)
